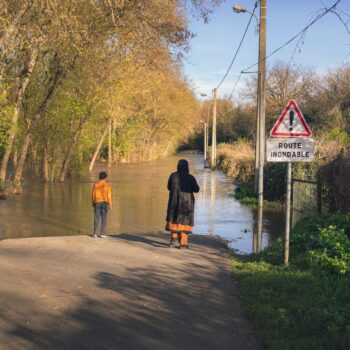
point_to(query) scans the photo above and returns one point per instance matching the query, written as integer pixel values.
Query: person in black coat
(180, 213)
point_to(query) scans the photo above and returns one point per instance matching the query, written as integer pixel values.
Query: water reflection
(140, 199)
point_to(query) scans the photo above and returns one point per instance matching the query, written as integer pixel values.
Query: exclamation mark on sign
(291, 117)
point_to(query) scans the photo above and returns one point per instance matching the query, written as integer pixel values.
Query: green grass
(307, 305)
(251, 202)
(294, 309)
(246, 196)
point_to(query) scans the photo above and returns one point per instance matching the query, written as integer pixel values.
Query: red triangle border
(290, 104)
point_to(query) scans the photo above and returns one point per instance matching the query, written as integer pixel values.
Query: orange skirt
(175, 227)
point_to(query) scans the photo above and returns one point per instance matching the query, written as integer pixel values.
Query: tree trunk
(33, 124)
(93, 160)
(22, 157)
(110, 143)
(46, 165)
(20, 95)
(65, 164)
(15, 158)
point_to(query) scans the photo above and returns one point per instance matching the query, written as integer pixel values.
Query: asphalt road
(123, 292)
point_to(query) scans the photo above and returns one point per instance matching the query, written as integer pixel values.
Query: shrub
(237, 160)
(319, 243)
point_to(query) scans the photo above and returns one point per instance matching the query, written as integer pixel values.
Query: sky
(326, 44)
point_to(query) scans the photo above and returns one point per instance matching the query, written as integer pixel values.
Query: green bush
(332, 250)
(306, 305)
(319, 243)
(338, 134)
(295, 309)
(275, 181)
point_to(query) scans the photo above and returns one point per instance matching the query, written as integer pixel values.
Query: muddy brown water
(140, 199)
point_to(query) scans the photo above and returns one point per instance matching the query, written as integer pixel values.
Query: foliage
(295, 309)
(323, 99)
(245, 190)
(339, 135)
(6, 110)
(305, 305)
(236, 160)
(93, 63)
(321, 243)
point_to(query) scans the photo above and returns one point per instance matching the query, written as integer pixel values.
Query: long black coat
(181, 198)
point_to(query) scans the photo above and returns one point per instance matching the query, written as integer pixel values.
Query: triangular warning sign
(291, 123)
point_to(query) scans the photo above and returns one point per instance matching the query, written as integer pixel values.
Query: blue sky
(326, 44)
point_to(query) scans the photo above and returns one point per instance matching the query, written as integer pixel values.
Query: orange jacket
(101, 192)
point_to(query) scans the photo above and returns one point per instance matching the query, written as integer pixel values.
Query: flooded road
(140, 199)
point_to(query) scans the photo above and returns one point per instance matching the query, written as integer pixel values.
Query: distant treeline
(323, 99)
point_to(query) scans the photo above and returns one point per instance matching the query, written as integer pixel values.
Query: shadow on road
(146, 239)
(179, 302)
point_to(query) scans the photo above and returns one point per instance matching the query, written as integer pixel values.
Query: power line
(329, 9)
(234, 88)
(239, 46)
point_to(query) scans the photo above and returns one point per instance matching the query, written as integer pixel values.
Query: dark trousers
(100, 210)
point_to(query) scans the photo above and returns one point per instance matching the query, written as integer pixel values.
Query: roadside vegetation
(325, 103)
(305, 305)
(86, 80)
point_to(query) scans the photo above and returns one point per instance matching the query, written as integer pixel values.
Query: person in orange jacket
(102, 203)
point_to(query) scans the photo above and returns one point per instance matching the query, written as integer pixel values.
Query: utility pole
(207, 135)
(213, 141)
(257, 145)
(261, 115)
(205, 144)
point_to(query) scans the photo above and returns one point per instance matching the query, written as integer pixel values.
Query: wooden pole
(205, 144)
(213, 141)
(261, 116)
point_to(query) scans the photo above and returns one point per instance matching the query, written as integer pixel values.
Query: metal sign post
(288, 207)
(290, 142)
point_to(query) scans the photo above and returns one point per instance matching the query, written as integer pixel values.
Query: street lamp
(205, 132)
(241, 9)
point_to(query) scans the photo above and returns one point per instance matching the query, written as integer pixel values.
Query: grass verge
(307, 305)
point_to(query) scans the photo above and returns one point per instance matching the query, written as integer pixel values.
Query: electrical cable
(234, 88)
(239, 46)
(329, 9)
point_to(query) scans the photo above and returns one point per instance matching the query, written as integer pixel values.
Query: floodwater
(140, 199)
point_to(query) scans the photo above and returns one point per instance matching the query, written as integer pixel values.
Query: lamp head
(239, 8)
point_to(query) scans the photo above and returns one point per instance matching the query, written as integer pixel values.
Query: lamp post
(260, 142)
(241, 9)
(213, 141)
(206, 135)
(207, 138)
(205, 142)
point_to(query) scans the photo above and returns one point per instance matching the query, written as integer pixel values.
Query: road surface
(128, 292)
